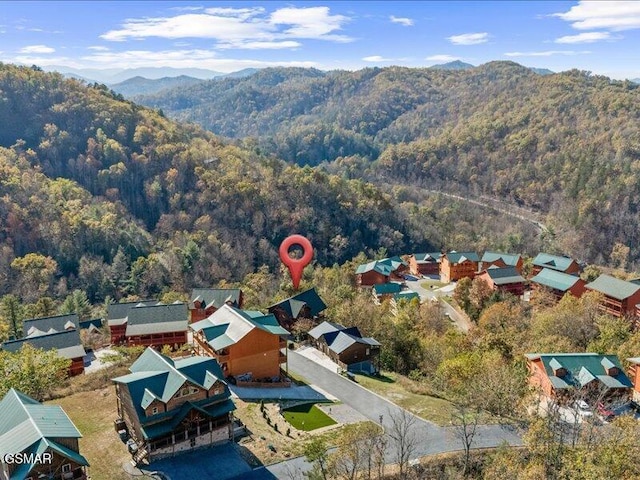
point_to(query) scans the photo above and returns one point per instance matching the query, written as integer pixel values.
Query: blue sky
(602, 37)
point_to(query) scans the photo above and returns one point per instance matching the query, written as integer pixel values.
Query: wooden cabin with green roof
(560, 375)
(558, 283)
(173, 406)
(501, 260)
(40, 439)
(205, 301)
(456, 265)
(307, 304)
(425, 263)
(619, 296)
(555, 262)
(249, 345)
(505, 280)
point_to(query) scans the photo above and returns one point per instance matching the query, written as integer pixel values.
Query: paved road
(427, 295)
(432, 438)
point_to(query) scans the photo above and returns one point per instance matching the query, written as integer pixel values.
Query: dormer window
(154, 410)
(609, 367)
(557, 368)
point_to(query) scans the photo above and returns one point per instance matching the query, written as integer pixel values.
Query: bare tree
(465, 424)
(403, 437)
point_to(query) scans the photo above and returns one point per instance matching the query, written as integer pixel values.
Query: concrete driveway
(431, 437)
(427, 295)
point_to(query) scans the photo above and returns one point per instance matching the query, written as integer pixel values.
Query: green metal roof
(293, 305)
(459, 257)
(24, 421)
(387, 288)
(613, 287)
(546, 260)
(555, 280)
(409, 295)
(59, 323)
(228, 325)
(431, 257)
(67, 343)
(117, 312)
(510, 259)
(582, 368)
(160, 318)
(155, 376)
(376, 266)
(216, 297)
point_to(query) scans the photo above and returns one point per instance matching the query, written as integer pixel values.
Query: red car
(605, 413)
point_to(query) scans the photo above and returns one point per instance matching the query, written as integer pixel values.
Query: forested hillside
(564, 144)
(85, 175)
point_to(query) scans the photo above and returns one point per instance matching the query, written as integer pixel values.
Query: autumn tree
(35, 275)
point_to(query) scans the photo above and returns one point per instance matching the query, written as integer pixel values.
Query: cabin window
(367, 351)
(154, 410)
(66, 468)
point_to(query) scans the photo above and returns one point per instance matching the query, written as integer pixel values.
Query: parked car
(604, 413)
(582, 408)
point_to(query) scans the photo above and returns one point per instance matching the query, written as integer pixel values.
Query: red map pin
(296, 265)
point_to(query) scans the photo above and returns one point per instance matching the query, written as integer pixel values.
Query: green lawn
(307, 417)
(432, 284)
(388, 385)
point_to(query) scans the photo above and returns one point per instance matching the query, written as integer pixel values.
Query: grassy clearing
(307, 417)
(432, 284)
(407, 394)
(93, 413)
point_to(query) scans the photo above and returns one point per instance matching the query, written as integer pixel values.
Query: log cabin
(205, 301)
(307, 304)
(555, 262)
(117, 318)
(248, 345)
(172, 406)
(558, 283)
(45, 432)
(619, 296)
(560, 375)
(505, 280)
(456, 265)
(157, 325)
(501, 260)
(347, 347)
(425, 263)
(381, 271)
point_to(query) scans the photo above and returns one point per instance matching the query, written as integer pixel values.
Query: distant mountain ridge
(117, 75)
(455, 65)
(145, 86)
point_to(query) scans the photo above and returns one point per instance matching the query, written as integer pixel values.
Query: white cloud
(377, 58)
(612, 15)
(586, 37)
(249, 28)
(469, 38)
(407, 22)
(97, 48)
(546, 53)
(262, 45)
(37, 49)
(442, 58)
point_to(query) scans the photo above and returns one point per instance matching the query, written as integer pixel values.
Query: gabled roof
(581, 369)
(555, 280)
(157, 377)
(406, 295)
(387, 288)
(66, 342)
(510, 259)
(338, 338)
(613, 287)
(293, 305)
(24, 422)
(504, 276)
(386, 266)
(546, 260)
(160, 318)
(58, 323)
(215, 297)
(431, 257)
(459, 257)
(228, 325)
(117, 312)
(325, 327)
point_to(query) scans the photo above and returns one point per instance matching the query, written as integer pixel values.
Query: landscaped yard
(432, 284)
(307, 417)
(397, 389)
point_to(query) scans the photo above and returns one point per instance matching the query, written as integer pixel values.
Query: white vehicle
(582, 408)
